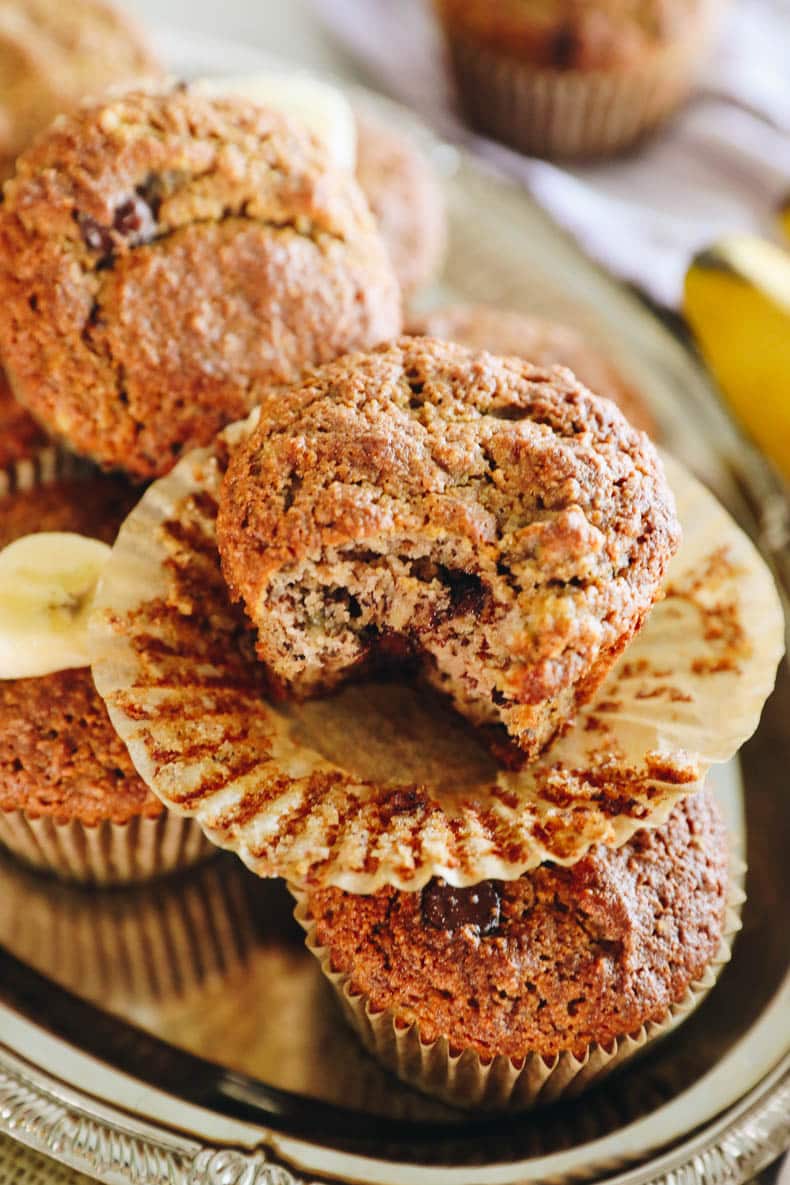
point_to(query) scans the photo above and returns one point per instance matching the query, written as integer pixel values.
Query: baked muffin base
(575, 113)
(465, 1079)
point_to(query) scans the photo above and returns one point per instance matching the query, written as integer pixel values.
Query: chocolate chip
(467, 592)
(95, 236)
(134, 219)
(447, 908)
(152, 192)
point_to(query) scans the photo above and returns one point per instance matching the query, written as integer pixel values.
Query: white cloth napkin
(721, 166)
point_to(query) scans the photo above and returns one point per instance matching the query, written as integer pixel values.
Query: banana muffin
(493, 522)
(71, 802)
(549, 966)
(406, 198)
(166, 255)
(545, 343)
(574, 77)
(53, 54)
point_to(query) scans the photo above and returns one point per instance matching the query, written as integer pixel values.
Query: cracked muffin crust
(490, 520)
(164, 256)
(542, 342)
(54, 54)
(406, 199)
(552, 962)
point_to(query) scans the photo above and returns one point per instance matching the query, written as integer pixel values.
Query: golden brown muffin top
(405, 196)
(59, 754)
(164, 253)
(556, 508)
(545, 343)
(553, 961)
(571, 34)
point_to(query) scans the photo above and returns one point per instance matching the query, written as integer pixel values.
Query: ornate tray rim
(66, 1124)
(72, 1125)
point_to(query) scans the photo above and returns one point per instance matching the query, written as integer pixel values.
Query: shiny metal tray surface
(179, 1032)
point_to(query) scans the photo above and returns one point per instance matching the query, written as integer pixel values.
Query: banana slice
(737, 302)
(47, 582)
(323, 108)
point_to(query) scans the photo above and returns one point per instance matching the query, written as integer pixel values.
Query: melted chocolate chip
(134, 219)
(152, 192)
(447, 908)
(95, 236)
(467, 592)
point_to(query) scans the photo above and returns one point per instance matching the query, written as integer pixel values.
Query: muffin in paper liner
(377, 785)
(105, 853)
(576, 112)
(27, 457)
(465, 1079)
(96, 851)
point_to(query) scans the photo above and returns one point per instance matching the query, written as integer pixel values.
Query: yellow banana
(737, 302)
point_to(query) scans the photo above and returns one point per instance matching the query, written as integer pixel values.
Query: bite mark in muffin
(491, 521)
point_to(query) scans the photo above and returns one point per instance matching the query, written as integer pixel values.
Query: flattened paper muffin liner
(375, 786)
(464, 1079)
(576, 113)
(107, 853)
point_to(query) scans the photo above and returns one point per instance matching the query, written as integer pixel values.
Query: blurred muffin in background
(574, 77)
(544, 343)
(405, 196)
(55, 52)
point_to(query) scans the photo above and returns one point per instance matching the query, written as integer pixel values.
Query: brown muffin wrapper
(106, 853)
(465, 1080)
(575, 113)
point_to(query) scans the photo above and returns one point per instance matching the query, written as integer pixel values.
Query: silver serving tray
(180, 1033)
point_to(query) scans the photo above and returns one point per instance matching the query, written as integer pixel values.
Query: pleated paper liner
(105, 853)
(504, 1084)
(576, 113)
(377, 786)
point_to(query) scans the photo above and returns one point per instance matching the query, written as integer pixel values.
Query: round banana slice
(323, 108)
(47, 583)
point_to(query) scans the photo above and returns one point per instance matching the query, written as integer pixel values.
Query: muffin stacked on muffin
(497, 936)
(574, 77)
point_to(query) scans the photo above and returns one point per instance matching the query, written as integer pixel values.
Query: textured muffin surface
(545, 343)
(553, 961)
(493, 520)
(59, 754)
(162, 255)
(406, 198)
